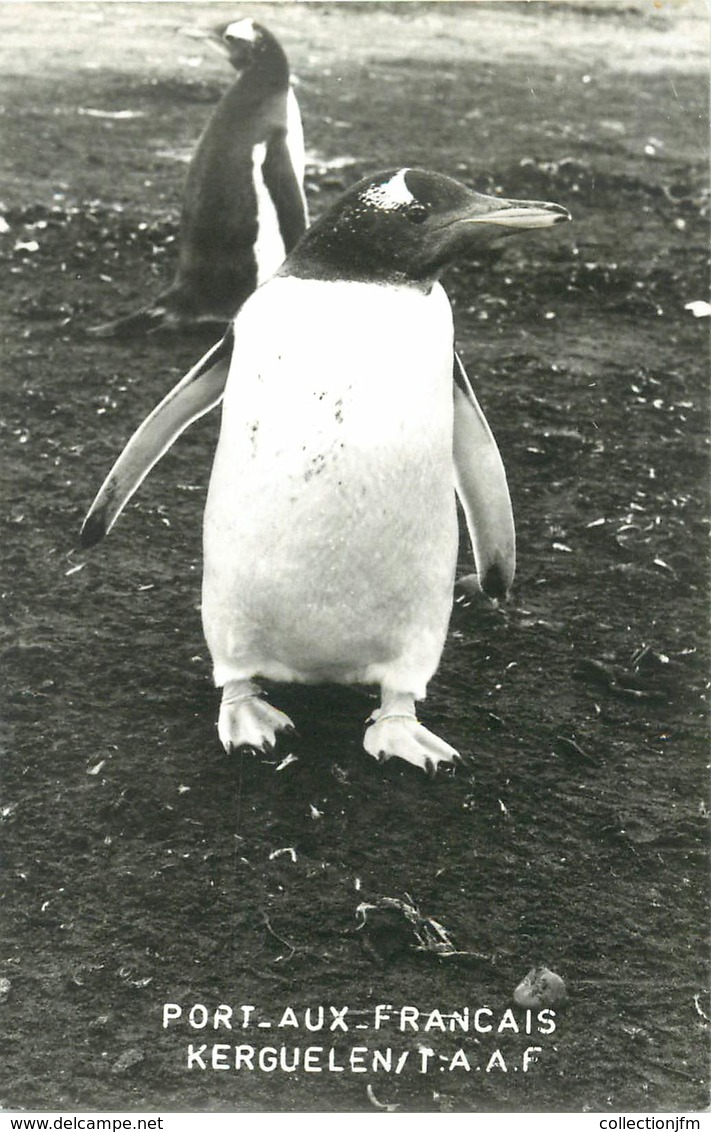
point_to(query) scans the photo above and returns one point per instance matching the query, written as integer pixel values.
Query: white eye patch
(391, 195)
(241, 29)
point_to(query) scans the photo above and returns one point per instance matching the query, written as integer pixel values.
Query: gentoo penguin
(243, 203)
(348, 423)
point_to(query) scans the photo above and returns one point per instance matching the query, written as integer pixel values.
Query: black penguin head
(407, 225)
(250, 45)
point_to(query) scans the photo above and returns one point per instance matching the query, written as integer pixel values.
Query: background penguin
(330, 529)
(243, 205)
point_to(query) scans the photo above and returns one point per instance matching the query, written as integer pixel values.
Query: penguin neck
(265, 76)
(337, 249)
(301, 264)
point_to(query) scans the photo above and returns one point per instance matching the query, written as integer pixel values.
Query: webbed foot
(396, 733)
(248, 720)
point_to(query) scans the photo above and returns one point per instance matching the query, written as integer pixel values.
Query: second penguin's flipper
(483, 491)
(285, 189)
(194, 395)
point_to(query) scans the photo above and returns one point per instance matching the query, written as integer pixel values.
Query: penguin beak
(498, 213)
(211, 36)
(235, 48)
(196, 32)
(480, 221)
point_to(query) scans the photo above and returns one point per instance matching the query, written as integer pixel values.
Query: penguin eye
(417, 214)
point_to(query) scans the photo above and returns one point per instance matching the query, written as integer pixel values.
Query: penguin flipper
(286, 190)
(483, 491)
(194, 395)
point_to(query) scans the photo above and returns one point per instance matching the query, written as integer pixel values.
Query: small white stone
(540, 987)
(699, 308)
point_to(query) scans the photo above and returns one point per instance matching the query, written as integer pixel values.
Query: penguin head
(408, 225)
(249, 44)
(249, 47)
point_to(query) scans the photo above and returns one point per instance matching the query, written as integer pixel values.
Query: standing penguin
(243, 205)
(348, 422)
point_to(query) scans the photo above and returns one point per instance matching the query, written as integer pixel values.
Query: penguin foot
(247, 720)
(131, 325)
(402, 736)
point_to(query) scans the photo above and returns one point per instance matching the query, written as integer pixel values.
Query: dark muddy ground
(142, 866)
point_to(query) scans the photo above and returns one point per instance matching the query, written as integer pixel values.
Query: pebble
(127, 1060)
(540, 987)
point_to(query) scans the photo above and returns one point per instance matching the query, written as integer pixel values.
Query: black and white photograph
(355, 481)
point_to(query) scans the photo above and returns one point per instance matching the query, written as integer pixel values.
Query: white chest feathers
(330, 525)
(369, 364)
(269, 249)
